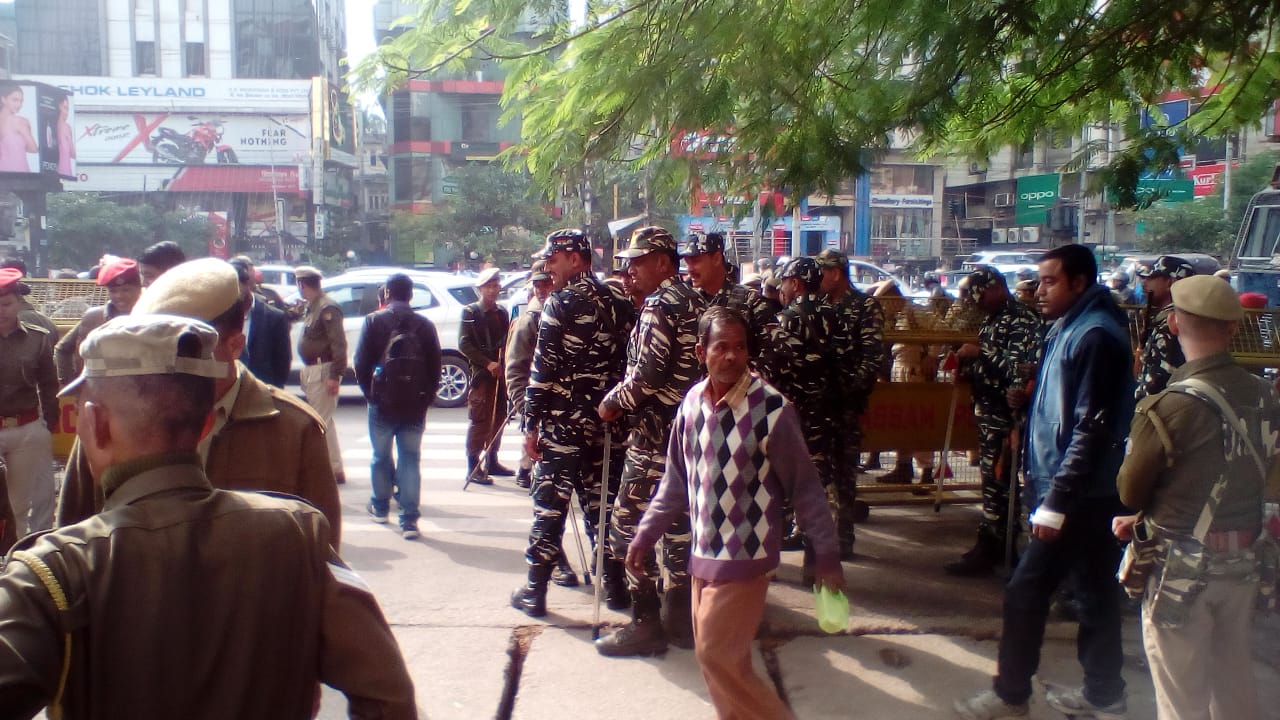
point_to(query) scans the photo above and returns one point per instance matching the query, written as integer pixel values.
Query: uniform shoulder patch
(326, 315)
(346, 576)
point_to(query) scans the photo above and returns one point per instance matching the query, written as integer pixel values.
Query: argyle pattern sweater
(731, 464)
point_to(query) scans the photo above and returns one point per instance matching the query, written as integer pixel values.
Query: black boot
(678, 619)
(496, 468)
(616, 595)
(642, 636)
(980, 560)
(478, 477)
(531, 598)
(902, 472)
(563, 575)
(524, 478)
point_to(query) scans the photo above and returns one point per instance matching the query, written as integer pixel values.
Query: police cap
(303, 272)
(119, 272)
(148, 345)
(202, 289)
(538, 271)
(1207, 296)
(11, 282)
(487, 276)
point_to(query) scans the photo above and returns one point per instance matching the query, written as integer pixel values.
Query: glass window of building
(276, 39)
(902, 209)
(144, 57)
(412, 179)
(195, 59)
(58, 37)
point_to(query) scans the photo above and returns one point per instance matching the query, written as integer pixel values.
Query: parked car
(437, 296)
(279, 278)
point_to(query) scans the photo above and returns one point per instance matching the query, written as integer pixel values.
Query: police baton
(950, 364)
(482, 465)
(602, 532)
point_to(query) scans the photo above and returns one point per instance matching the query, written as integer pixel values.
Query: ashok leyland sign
(1036, 194)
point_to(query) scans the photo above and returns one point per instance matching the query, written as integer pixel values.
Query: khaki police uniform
(1198, 643)
(323, 349)
(28, 417)
(168, 602)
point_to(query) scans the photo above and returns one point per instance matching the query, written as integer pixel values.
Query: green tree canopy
(85, 226)
(497, 214)
(811, 91)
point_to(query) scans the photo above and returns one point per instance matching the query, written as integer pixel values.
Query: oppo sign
(1038, 195)
(1034, 194)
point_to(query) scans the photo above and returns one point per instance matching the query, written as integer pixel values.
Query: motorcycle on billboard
(168, 146)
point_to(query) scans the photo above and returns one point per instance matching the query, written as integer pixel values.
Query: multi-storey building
(233, 109)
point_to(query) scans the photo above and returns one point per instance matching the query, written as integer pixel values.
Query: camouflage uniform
(661, 367)
(760, 315)
(1009, 348)
(1160, 352)
(802, 360)
(578, 357)
(861, 320)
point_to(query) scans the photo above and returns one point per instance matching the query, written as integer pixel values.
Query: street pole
(1084, 165)
(1226, 173)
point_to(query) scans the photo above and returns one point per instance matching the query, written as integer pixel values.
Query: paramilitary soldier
(323, 349)
(1005, 357)
(862, 321)
(1188, 463)
(661, 367)
(580, 354)
(804, 361)
(1160, 352)
(711, 275)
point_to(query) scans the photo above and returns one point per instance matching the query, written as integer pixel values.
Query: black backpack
(400, 386)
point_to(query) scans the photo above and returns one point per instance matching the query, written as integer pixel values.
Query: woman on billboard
(16, 139)
(66, 139)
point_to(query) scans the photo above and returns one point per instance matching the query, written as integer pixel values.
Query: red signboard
(1205, 177)
(236, 178)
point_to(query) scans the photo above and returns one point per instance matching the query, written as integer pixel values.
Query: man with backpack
(398, 368)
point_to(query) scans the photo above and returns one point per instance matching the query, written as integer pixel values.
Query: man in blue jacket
(1077, 423)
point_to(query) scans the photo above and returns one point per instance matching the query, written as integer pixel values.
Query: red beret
(11, 281)
(120, 272)
(1253, 300)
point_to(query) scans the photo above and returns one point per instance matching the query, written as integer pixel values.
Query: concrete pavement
(917, 639)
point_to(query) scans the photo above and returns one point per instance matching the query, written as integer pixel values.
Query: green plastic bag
(832, 609)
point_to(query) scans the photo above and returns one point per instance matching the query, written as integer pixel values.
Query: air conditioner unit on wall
(1030, 235)
(1004, 200)
(998, 236)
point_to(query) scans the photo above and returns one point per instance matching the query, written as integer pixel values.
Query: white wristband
(1048, 518)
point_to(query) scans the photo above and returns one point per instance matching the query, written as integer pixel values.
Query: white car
(437, 296)
(279, 278)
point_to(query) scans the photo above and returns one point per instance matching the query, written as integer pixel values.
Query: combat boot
(979, 560)
(616, 595)
(642, 636)
(678, 618)
(477, 477)
(524, 478)
(563, 575)
(531, 598)
(902, 472)
(496, 468)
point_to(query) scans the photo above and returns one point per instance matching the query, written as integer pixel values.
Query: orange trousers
(726, 616)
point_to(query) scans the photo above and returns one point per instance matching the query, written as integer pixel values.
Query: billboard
(185, 94)
(1036, 194)
(191, 139)
(36, 135)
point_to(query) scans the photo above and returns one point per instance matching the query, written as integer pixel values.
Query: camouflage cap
(803, 269)
(701, 244)
(1026, 274)
(1170, 266)
(567, 239)
(538, 271)
(831, 258)
(646, 240)
(201, 289)
(148, 345)
(985, 276)
(1207, 296)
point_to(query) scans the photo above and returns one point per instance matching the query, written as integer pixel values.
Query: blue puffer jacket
(1082, 406)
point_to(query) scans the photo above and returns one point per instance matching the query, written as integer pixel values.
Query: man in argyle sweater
(736, 443)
